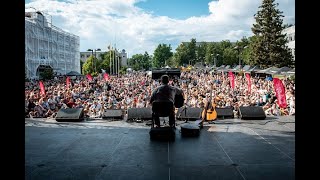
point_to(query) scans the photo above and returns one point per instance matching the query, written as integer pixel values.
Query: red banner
(106, 76)
(42, 89)
(280, 92)
(249, 82)
(231, 78)
(67, 82)
(89, 77)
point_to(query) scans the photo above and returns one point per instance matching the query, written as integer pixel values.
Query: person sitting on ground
(165, 93)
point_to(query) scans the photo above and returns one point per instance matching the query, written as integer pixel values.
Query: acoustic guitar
(209, 113)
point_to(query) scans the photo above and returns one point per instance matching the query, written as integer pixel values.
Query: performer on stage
(165, 93)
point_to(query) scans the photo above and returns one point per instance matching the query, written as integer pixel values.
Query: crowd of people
(133, 90)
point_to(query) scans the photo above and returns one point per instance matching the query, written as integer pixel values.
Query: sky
(139, 26)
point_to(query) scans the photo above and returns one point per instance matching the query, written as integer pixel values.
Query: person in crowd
(134, 89)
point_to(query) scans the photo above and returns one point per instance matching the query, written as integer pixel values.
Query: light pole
(238, 49)
(95, 56)
(92, 57)
(215, 61)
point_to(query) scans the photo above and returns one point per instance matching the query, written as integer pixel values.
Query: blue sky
(176, 8)
(140, 25)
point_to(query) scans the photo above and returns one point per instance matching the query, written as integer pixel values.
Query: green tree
(180, 56)
(269, 46)
(161, 55)
(146, 61)
(201, 52)
(88, 66)
(136, 62)
(191, 51)
(230, 56)
(104, 63)
(46, 74)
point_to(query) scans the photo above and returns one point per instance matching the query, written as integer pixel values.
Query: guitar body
(211, 113)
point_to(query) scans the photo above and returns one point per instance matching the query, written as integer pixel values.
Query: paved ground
(103, 149)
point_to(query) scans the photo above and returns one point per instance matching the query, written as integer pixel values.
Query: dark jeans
(172, 119)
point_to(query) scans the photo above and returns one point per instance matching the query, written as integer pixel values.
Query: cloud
(99, 23)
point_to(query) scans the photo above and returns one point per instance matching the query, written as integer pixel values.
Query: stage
(103, 149)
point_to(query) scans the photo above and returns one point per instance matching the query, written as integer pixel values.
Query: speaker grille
(189, 113)
(140, 113)
(252, 113)
(70, 115)
(112, 114)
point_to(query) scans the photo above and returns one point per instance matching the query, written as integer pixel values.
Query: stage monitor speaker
(188, 113)
(70, 115)
(140, 114)
(162, 134)
(112, 114)
(226, 112)
(252, 113)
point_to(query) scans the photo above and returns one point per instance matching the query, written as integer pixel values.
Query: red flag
(68, 82)
(42, 89)
(231, 78)
(89, 77)
(280, 92)
(249, 81)
(106, 76)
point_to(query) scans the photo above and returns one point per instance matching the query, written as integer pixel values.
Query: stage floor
(103, 149)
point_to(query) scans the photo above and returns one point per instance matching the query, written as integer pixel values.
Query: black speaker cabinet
(112, 114)
(226, 112)
(252, 113)
(140, 114)
(188, 113)
(162, 134)
(70, 115)
(190, 130)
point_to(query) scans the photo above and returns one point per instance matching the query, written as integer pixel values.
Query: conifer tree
(269, 46)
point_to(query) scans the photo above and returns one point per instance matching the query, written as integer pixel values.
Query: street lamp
(215, 62)
(95, 56)
(238, 49)
(92, 56)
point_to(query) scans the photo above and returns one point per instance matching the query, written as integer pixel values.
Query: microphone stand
(185, 105)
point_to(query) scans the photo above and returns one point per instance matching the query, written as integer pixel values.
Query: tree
(180, 56)
(230, 56)
(104, 63)
(269, 46)
(146, 61)
(88, 67)
(191, 51)
(46, 74)
(201, 52)
(161, 55)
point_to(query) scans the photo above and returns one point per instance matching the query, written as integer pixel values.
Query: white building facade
(49, 46)
(290, 34)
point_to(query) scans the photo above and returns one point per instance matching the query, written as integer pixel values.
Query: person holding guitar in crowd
(166, 92)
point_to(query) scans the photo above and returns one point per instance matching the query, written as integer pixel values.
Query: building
(85, 55)
(121, 55)
(290, 32)
(47, 46)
